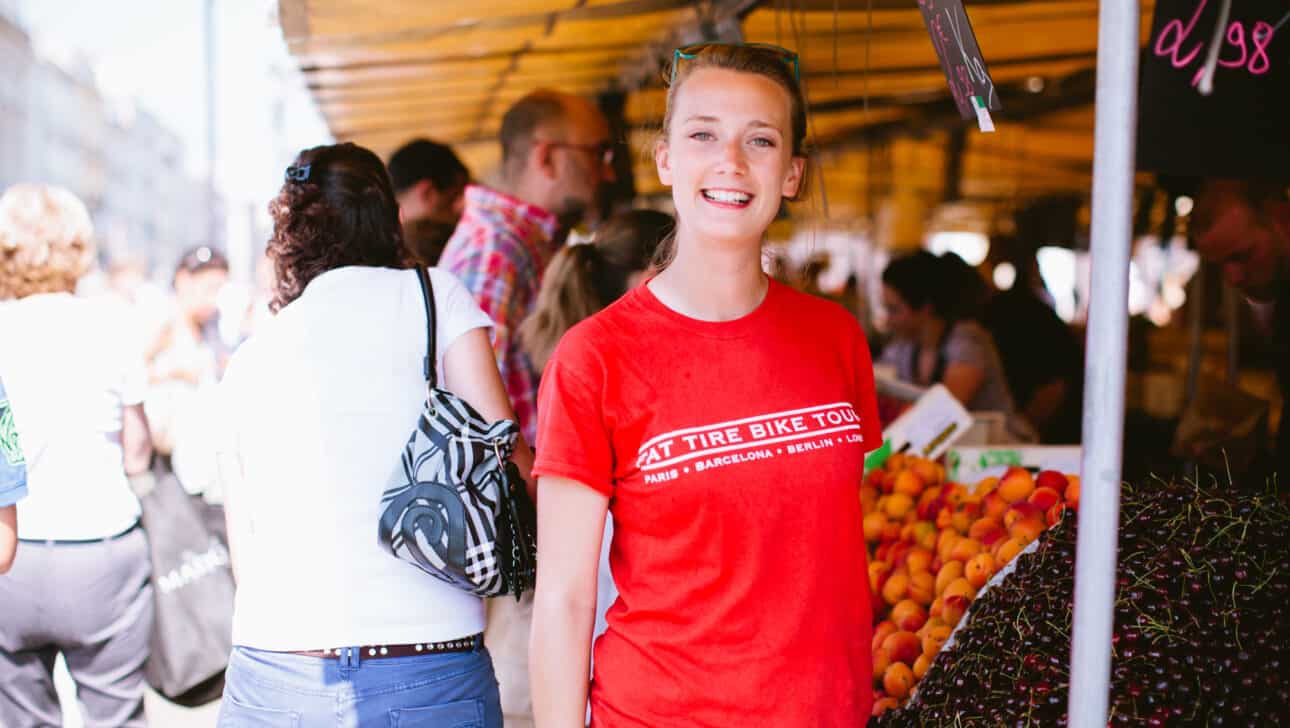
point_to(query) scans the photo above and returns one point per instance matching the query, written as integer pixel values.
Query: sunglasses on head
(690, 52)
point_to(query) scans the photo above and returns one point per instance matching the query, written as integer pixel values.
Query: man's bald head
(556, 147)
(550, 115)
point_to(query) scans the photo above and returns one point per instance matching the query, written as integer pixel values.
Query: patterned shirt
(13, 469)
(499, 251)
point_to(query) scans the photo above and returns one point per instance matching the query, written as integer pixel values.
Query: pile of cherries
(1202, 633)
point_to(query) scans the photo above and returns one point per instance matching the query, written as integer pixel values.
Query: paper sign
(961, 59)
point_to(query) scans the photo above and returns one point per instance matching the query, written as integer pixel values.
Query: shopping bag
(193, 588)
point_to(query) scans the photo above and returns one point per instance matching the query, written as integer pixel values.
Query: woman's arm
(470, 372)
(8, 536)
(136, 440)
(1045, 402)
(963, 380)
(571, 523)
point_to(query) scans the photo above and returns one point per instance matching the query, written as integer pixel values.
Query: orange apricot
(960, 587)
(935, 636)
(985, 530)
(921, 665)
(896, 587)
(882, 705)
(909, 483)
(1027, 530)
(880, 632)
(873, 525)
(1044, 498)
(964, 549)
(1072, 492)
(902, 646)
(950, 571)
(922, 587)
(918, 559)
(898, 504)
(979, 570)
(954, 609)
(1016, 485)
(878, 573)
(908, 615)
(1008, 551)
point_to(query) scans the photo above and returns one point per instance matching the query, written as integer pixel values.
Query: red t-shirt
(732, 453)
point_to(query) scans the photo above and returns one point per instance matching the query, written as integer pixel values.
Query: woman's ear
(793, 182)
(663, 161)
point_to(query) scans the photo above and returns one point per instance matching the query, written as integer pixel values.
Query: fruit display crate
(1201, 631)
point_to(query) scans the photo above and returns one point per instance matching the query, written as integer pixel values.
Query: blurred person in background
(13, 481)
(557, 156)
(185, 361)
(430, 184)
(932, 304)
(81, 585)
(582, 279)
(1042, 358)
(1243, 226)
(317, 407)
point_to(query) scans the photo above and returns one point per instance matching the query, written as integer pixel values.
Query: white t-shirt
(319, 404)
(70, 365)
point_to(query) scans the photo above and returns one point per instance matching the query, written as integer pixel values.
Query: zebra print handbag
(461, 513)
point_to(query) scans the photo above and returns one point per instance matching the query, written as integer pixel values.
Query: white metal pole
(1112, 229)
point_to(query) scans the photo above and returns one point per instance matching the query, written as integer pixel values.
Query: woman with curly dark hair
(328, 628)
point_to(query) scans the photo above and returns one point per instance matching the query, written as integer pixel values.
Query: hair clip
(298, 173)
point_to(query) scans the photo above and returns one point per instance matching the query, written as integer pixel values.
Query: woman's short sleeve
(456, 310)
(968, 343)
(572, 439)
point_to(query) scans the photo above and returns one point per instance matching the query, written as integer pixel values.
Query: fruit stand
(1200, 628)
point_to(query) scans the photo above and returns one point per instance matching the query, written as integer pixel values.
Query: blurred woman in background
(582, 279)
(932, 305)
(319, 403)
(80, 585)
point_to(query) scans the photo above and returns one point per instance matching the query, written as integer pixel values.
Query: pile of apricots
(933, 545)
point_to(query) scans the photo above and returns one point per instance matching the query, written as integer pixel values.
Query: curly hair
(46, 241)
(336, 209)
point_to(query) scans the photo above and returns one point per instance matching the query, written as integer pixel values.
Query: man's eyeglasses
(690, 52)
(603, 150)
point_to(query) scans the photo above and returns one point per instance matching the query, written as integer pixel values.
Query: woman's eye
(763, 142)
(702, 136)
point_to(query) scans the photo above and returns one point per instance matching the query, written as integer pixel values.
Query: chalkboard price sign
(961, 60)
(1215, 101)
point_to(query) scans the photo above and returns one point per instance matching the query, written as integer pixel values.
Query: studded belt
(372, 652)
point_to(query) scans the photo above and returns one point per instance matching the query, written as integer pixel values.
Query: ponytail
(568, 295)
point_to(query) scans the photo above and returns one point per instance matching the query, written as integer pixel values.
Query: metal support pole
(1112, 227)
(212, 223)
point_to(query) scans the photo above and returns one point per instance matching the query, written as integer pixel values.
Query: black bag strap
(427, 297)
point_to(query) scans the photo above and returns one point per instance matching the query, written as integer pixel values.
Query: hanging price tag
(961, 60)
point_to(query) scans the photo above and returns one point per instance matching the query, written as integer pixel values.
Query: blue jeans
(282, 690)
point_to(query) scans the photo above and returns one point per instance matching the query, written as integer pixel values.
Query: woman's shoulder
(970, 330)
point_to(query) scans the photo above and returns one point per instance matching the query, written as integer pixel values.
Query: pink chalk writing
(1249, 49)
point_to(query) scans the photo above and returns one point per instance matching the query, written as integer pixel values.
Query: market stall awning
(385, 71)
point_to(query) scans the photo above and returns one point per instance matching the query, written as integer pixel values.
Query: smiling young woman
(723, 417)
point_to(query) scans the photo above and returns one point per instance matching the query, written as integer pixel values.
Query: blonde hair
(582, 279)
(46, 240)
